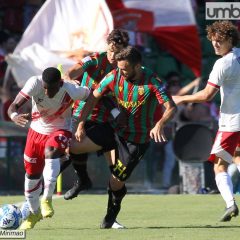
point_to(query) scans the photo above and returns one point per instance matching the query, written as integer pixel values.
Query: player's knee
(33, 175)
(52, 152)
(120, 171)
(220, 166)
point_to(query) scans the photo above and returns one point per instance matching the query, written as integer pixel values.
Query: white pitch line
(54, 197)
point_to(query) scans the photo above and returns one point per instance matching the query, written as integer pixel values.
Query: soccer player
(48, 136)
(138, 92)
(89, 72)
(225, 76)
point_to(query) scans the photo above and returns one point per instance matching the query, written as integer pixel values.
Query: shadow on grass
(66, 228)
(207, 226)
(153, 227)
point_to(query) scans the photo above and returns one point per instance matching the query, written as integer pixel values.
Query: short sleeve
(160, 91)
(88, 61)
(31, 87)
(106, 84)
(77, 92)
(217, 74)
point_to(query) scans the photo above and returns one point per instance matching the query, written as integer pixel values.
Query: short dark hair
(225, 30)
(51, 75)
(118, 36)
(130, 54)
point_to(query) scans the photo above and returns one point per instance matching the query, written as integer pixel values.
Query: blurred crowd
(15, 17)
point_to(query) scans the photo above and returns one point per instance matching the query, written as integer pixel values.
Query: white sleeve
(31, 87)
(218, 73)
(79, 92)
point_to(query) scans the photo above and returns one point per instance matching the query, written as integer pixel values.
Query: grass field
(188, 217)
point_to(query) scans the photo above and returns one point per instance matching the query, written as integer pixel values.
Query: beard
(130, 77)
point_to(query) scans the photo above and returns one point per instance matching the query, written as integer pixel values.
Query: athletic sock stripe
(35, 188)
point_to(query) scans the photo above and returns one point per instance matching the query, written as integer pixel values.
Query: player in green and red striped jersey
(89, 72)
(138, 92)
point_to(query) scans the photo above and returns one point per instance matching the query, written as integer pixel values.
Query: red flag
(171, 22)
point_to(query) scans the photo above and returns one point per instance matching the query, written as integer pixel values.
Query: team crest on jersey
(141, 90)
(102, 72)
(94, 85)
(120, 89)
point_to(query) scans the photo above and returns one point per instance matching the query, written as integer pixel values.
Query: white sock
(33, 188)
(50, 174)
(225, 186)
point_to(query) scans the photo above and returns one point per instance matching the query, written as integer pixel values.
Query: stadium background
(14, 17)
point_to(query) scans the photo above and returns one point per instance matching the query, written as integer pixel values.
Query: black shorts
(102, 134)
(128, 155)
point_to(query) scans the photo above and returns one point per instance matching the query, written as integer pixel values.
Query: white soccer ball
(10, 216)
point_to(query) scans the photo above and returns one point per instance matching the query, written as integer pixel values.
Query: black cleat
(77, 188)
(229, 213)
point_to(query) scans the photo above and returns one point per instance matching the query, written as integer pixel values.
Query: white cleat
(117, 225)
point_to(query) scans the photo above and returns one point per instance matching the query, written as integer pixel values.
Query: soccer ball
(10, 216)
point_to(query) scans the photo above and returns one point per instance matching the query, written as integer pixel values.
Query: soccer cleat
(229, 213)
(114, 225)
(31, 220)
(47, 208)
(77, 188)
(117, 225)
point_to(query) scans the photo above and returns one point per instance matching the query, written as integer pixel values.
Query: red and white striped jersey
(51, 114)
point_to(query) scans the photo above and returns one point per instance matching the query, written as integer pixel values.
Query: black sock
(79, 162)
(114, 203)
(117, 196)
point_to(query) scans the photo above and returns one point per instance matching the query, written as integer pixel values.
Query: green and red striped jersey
(139, 100)
(95, 67)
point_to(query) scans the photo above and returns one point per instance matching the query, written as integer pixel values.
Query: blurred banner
(171, 22)
(61, 32)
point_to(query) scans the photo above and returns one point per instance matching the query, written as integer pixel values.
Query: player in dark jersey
(89, 72)
(138, 92)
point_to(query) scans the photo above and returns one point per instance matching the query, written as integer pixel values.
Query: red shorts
(225, 145)
(34, 153)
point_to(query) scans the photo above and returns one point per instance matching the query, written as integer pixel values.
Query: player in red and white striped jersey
(225, 76)
(48, 136)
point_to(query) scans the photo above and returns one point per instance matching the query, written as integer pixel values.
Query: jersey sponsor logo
(141, 90)
(29, 159)
(130, 104)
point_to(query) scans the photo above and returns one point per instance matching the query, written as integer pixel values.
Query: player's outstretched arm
(74, 72)
(91, 102)
(157, 133)
(204, 95)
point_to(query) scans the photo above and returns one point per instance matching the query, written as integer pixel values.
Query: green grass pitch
(160, 217)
